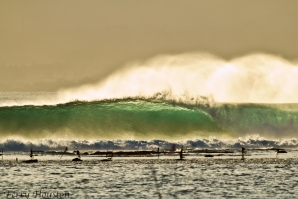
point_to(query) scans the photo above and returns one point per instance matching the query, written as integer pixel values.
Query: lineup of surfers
(109, 158)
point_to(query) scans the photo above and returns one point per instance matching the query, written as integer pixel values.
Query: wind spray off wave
(255, 78)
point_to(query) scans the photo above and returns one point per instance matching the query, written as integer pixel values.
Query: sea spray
(253, 78)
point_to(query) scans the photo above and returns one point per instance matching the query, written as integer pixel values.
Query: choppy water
(178, 180)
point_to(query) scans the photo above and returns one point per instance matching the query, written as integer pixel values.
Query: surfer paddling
(108, 158)
(280, 151)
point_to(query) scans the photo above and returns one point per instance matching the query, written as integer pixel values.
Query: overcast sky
(47, 45)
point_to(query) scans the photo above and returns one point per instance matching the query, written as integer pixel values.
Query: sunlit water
(216, 177)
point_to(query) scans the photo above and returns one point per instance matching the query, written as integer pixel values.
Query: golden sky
(46, 45)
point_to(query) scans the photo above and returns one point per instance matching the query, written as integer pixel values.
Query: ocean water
(91, 179)
(44, 122)
(35, 120)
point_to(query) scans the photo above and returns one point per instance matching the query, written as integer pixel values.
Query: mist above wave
(254, 78)
(188, 78)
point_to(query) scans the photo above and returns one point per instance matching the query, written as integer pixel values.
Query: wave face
(119, 119)
(140, 119)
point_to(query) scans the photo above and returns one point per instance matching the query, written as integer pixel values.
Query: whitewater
(195, 101)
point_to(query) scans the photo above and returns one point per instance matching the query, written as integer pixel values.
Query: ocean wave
(147, 119)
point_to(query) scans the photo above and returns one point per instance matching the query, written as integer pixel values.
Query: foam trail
(254, 78)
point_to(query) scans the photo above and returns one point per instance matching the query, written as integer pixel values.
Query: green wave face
(138, 119)
(274, 121)
(106, 120)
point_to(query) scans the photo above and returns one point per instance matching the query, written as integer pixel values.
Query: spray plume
(187, 78)
(255, 78)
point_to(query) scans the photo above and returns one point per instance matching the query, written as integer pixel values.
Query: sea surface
(145, 178)
(44, 122)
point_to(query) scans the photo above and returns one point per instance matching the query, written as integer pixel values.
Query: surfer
(79, 156)
(108, 158)
(280, 151)
(243, 151)
(31, 153)
(31, 156)
(181, 153)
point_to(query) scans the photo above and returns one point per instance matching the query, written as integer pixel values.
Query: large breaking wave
(196, 99)
(123, 123)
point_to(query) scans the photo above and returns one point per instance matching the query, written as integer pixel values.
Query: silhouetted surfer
(108, 158)
(158, 152)
(78, 154)
(280, 151)
(181, 153)
(31, 156)
(31, 153)
(243, 151)
(78, 158)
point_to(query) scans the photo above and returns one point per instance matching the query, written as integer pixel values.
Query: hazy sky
(47, 45)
